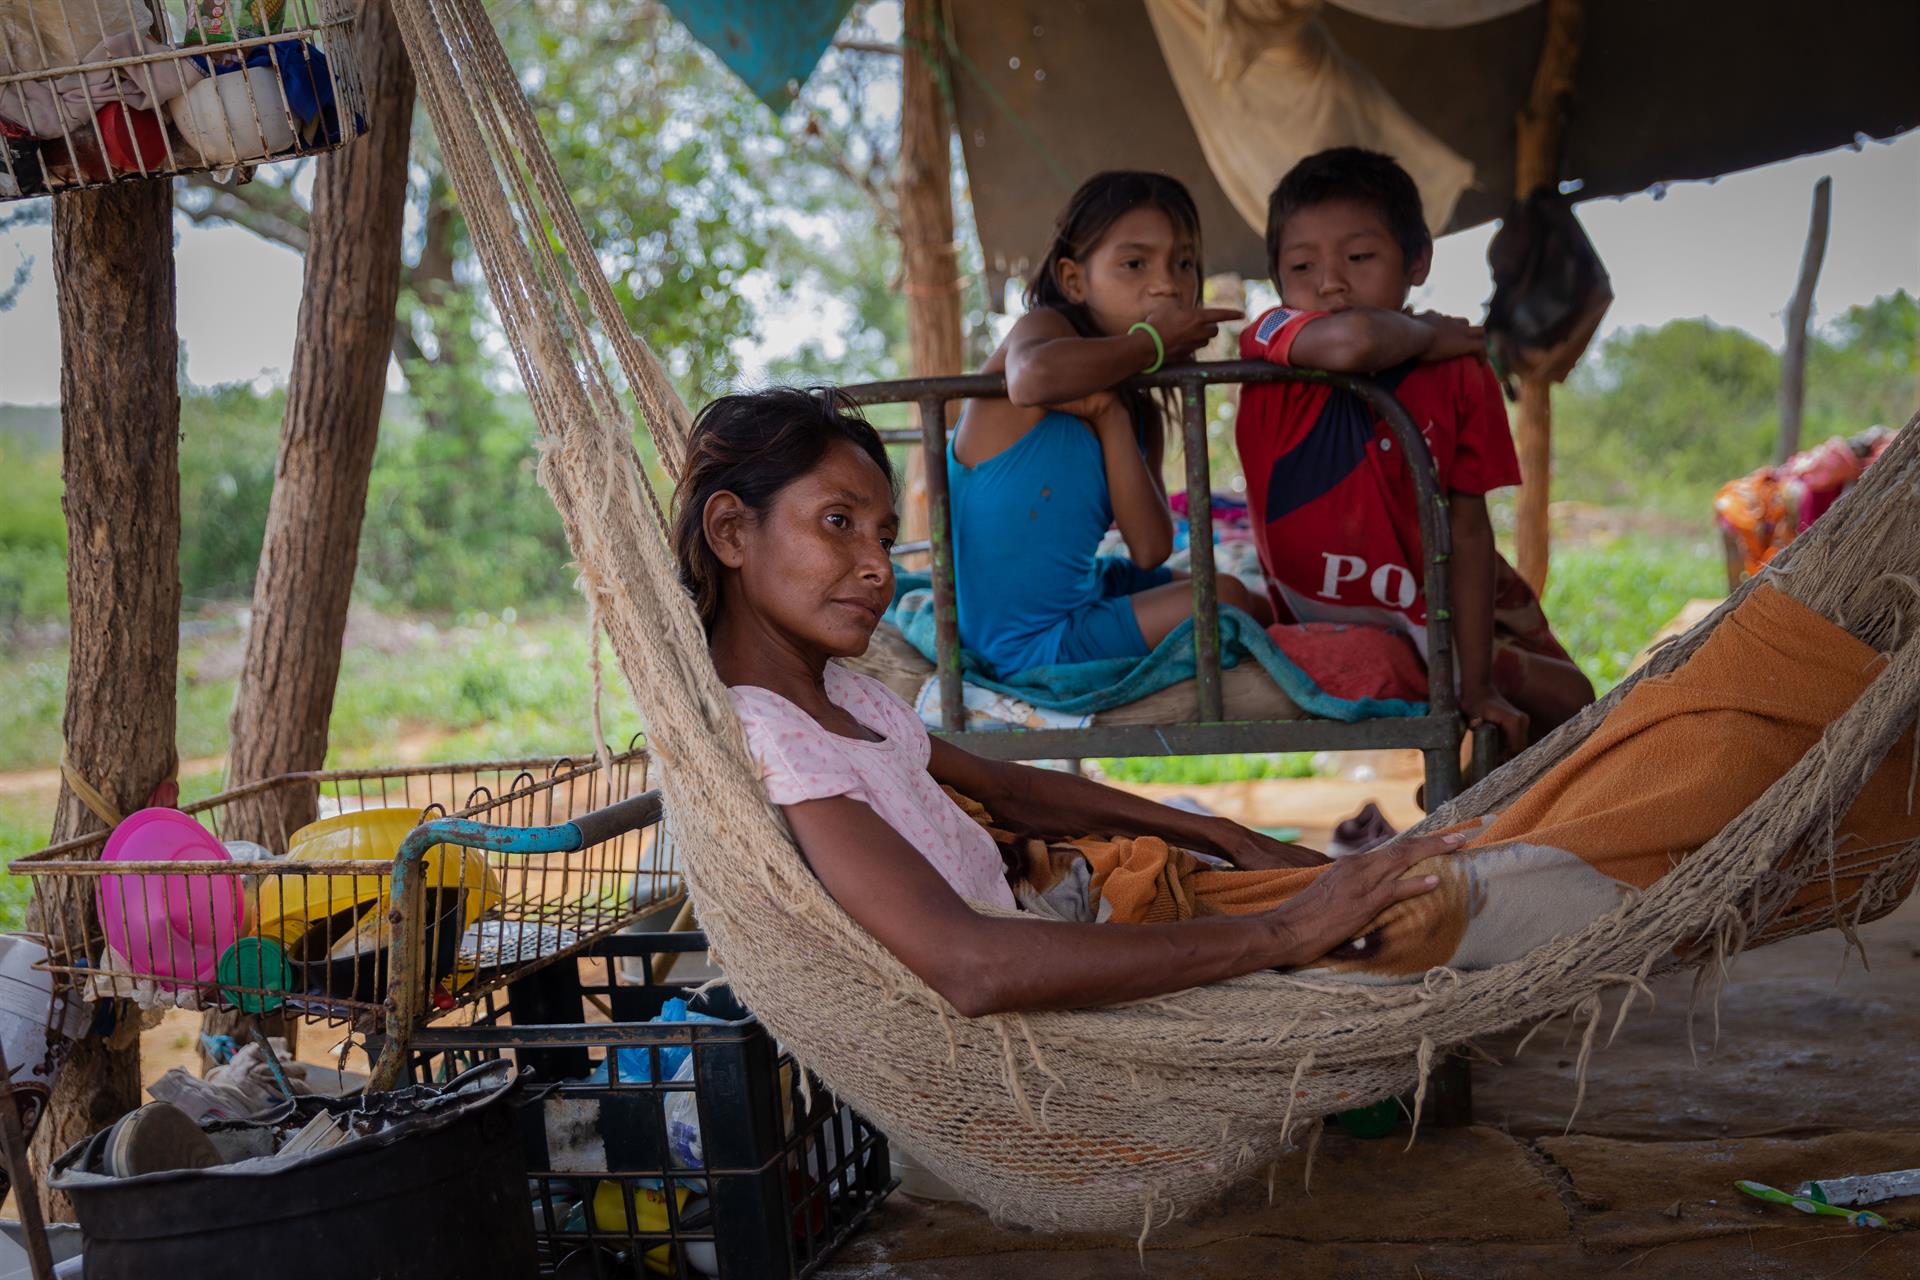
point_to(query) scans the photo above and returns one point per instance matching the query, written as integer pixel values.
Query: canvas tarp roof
(1048, 92)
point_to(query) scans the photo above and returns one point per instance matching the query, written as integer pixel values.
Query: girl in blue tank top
(1038, 478)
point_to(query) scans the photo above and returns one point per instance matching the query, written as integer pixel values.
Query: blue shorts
(1108, 628)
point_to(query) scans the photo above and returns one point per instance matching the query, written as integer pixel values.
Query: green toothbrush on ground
(1806, 1204)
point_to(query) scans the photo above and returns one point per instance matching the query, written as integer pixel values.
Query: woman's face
(1141, 262)
(814, 567)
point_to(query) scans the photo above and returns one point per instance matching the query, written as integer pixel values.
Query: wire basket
(95, 91)
(304, 916)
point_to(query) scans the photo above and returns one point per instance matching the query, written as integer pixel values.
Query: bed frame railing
(1437, 734)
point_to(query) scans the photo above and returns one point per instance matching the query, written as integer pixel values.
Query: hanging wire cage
(304, 917)
(99, 91)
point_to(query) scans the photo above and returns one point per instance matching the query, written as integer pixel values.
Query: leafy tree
(227, 446)
(1662, 417)
(674, 168)
(1689, 402)
(29, 213)
(1865, 368)
(705, 211)
(33, 536)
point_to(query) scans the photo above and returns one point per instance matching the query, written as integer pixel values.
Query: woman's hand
(1249, 850)
(1344, 899)
(1184, 330)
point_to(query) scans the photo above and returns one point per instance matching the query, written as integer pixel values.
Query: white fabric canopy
(1434, 15)
(39, 35)
(1265, 86)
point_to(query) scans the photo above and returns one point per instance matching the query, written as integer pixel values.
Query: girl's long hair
(1101, 201)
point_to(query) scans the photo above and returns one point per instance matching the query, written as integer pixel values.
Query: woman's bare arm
(991, 964)
(1052, 803)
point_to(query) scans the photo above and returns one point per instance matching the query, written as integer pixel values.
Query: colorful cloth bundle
(1766, 509)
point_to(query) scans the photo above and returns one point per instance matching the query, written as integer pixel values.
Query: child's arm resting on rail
(1050, 364)
(989, 964)
(1368, 339)
(1473, 575)
(1051, 803)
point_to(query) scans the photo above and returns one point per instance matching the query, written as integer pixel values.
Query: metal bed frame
(1437, 735)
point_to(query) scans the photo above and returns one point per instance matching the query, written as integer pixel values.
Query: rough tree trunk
(339, 381)
(928, 248)
(1536, 162)
(120, 449)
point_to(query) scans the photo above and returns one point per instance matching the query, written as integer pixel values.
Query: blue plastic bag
(636, 1062)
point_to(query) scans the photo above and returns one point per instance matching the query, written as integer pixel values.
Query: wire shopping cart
(370, 899)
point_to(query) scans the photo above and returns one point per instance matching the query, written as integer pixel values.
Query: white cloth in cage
(41, 35)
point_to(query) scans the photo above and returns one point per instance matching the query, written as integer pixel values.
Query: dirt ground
(1814, 1075)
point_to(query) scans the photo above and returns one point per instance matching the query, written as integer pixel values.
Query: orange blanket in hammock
(1675, 762)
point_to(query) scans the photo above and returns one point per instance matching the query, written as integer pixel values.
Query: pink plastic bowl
(169, 926)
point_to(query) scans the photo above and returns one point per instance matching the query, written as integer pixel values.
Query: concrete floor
(1815, 1075)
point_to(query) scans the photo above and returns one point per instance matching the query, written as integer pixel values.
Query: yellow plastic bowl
(289, 904)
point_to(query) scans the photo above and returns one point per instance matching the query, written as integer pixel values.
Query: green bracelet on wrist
(1159, 347)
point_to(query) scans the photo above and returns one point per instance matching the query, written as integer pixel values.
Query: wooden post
(929, 252)
(1793, 358)
(334, 397)
(120, 461)
(1538, 130)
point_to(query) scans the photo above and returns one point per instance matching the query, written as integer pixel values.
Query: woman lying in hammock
(784, 520)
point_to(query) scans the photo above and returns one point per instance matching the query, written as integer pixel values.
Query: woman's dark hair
(1101, 201)
(753, 446)
(1350, 173)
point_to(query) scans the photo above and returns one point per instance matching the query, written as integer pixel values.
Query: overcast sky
(1726, 250)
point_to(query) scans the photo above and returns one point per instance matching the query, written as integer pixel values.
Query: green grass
(482, 687)
(1201, 770)
(490, 688)
(1606, 599)
(25, 821)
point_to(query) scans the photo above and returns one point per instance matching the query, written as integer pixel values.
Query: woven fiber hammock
(1115, 1117)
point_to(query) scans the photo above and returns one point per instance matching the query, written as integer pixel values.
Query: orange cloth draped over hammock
(1676, 762)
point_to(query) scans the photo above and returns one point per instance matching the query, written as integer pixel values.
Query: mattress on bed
(1247, 691)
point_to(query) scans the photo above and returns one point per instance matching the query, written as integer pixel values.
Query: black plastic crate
(785, 1172)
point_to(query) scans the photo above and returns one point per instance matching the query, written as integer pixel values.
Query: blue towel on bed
(1081, 688)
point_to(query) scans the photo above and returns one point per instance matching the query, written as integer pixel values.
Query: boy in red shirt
(1333, 507)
